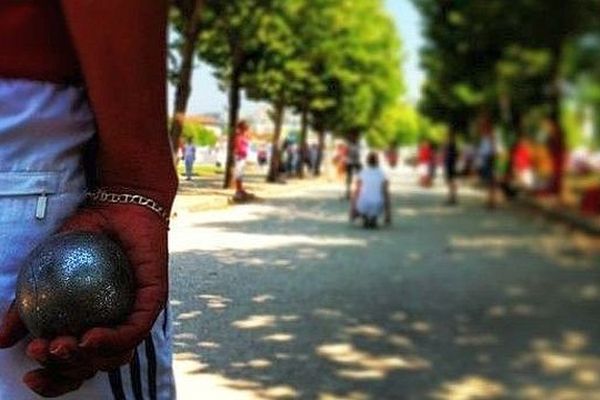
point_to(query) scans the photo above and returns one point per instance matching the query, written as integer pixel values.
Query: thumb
(12, 329)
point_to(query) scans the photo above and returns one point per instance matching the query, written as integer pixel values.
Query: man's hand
(68, 361)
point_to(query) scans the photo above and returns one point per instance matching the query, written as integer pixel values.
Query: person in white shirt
(371, 197)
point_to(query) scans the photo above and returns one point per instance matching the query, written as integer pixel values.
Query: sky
(208, 98)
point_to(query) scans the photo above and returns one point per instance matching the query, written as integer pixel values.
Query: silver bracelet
(104, 196)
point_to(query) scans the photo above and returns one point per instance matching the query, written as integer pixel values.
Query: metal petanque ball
(74, 282)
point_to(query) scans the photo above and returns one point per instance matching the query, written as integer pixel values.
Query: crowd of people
(526, 165)
(530, 163)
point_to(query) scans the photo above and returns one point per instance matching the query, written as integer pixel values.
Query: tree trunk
(556, 143)
(558, 151)
(274, 167)
(303, 148)
(184, 84)
(320, 152)
(234, 109)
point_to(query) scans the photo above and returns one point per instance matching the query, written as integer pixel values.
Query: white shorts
(43, 129)
(240, 166)
(369, 208)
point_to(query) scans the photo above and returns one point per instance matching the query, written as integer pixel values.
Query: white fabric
(240, 166)
(43, 128)
(370, 200)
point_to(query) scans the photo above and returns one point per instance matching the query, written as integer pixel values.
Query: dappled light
(471, 388)
(486, 312)
(359, 365)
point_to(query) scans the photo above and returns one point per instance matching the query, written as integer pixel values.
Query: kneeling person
(372, 196)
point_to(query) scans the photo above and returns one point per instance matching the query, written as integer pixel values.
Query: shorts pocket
(24, 195)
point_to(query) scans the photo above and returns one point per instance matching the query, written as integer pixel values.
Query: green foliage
(399, 125)
(338, 60)
(365, 71)
(201, 135)
(504, 57)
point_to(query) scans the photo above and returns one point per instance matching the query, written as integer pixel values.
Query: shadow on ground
(449, 303)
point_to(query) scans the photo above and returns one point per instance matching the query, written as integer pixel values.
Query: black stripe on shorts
(151, 356)
(136, 377)
(116, 384)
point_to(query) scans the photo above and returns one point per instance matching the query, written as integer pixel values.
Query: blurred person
(262, 157)
(468, 160)
(352, 161)
(371, 197)
(542, 166)
(522, 163)
(314, 158)
(242, 146)
(558, 151)
(487, 154)
(433, 164)
(424, 160)
(339, 160)
(295, 160)
(189, 158)
(450, 160)
(74, 94)
(284, 157)
(391, 155)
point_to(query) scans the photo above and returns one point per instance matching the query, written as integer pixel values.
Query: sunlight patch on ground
(361, 365)
(327, 313)
(400, 341)
(209, 345)
(256, 322)
(263, 298)
(189, 315)
(185, 336)
(193, 383)
(470, 388)
(421, 327)
(564, 359)
(368, 331)
(217, 239)
(399, 316)
(216, 302)
(518, 310)
(535, 392)
(488, 243)
(259, 363)
(279, 338)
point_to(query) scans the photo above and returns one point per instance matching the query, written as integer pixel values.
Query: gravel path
(284, 299)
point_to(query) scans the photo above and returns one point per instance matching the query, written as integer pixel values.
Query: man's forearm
(122, 50)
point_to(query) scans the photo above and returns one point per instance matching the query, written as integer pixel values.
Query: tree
(231, 42)
(275, 76)
(505, 58)
(200, 135)
(399, 125)
(186, 22)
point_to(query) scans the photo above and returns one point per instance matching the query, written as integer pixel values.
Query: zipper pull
(42, 205)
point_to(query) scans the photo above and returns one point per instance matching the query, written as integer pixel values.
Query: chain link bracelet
(104, 196)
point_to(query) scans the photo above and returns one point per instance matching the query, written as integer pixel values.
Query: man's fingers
(64, 347)
(47, 384)
(12, 329)
(123, 338)
(61, 349)
(38, 350)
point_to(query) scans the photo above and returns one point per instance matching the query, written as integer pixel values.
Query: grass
(205, 170)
